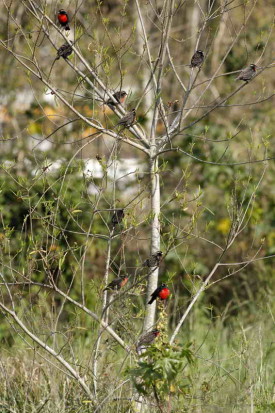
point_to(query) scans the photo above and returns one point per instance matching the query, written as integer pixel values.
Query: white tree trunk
(155, 244)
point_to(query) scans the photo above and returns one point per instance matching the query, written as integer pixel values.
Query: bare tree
(148, 55)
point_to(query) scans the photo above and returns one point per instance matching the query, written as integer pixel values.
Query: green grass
(233, 371)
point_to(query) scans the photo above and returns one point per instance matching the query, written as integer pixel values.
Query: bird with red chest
(63, 19)
(147, 339)
(119, 96)
(248, 73)
(161, 292)
(117, 283)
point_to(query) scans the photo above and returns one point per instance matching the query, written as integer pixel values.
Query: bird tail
(67, 27)
(140, 349)
(152, 300)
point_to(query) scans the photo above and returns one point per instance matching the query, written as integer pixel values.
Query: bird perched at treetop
(154, 260)
(117, 283)
(161, 292)
(63, 19)
(147, 338)
(197, 59)
(120, 96)
(247, 73)
(128, 119)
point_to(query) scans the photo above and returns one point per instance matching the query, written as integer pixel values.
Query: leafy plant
(159, 371)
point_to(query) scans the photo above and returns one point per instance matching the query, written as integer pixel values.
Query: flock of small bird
(129, 119)
(162, 292)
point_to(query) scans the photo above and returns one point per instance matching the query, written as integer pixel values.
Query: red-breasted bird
(197, 59)
(64, 51)
(63, 19)
(147, 338)
(117, 283)
(120, 96)
(247, 73)
(161, 292)
(128, 119)
(154, 260)
(117, 217)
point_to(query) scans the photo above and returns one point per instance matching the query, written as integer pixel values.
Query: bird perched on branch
(247, 73)
(128, 119)
(117, 283)
(197, 59)
(117, 217)
(63, 19)
(64, 51)
(120, 96)
(154, 260)
(147, 339)
(161, 292)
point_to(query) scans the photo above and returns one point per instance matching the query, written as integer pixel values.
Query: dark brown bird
(248, 73)
(117, 217)
(154, 260)
(146, 339)
(117, 283)
(64, 51)
(120, 96)
(197, 59)
(63, 19)
(161, 292)
(128, 119)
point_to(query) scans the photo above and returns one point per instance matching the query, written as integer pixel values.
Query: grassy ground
(233, 371)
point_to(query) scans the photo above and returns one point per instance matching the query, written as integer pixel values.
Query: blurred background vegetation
(57, 190)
